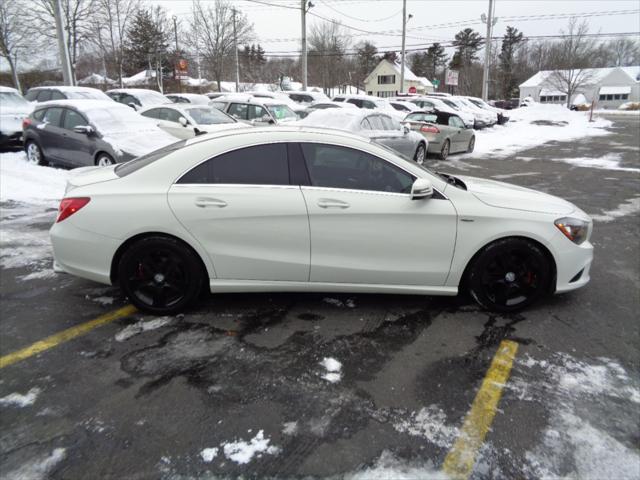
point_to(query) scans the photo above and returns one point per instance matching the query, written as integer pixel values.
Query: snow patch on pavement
(37, 469)
(19, 400)
(609, 161)
(208, 454)
(388, 467)
(629, 207)
(290, 428)
(142, 326)
(429, 423)
(333, 369)
(243, 452)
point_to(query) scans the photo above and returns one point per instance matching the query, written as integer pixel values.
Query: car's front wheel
(509, 275)
(104, 160)
(160, 275)
(421, 154)
(34, 153)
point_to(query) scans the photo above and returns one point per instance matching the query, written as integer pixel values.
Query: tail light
(26, 121)
(429, 129)
(69, 206)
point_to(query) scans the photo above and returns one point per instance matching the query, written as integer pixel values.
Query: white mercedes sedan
(300, 209)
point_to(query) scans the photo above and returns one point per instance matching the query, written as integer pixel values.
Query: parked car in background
(195, 98)
(324, 106)
(334, 212)
(213, 95)
(307, 98)
(13, 109)
(189, 120)
(44, 94)
(255, 111)
(403, 106)
(374, 125)
(279, 96)
(445, 132)
(437, 104)
(481, 119)
(79, 133)
(506, 104)
(137, 98)
(478, 102)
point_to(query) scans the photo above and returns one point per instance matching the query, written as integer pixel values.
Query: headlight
(574, 229)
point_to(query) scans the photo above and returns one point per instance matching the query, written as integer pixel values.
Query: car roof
(67, 88)
(81, 105)
(132, 91)
(8, 89)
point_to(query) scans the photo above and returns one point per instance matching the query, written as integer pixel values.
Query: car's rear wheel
(34, 153)
(160, 275)
(509, 275)
(421, 154)
(444, 151)
(472, 144)
(104, 160)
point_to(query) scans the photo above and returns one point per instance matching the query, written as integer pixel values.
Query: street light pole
(235, 48)
(67, 74)
(404, 32)
(176, 68)
(490, 21)
(303, 48)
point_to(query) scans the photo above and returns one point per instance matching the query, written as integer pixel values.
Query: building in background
(613, 87)
(384, 81)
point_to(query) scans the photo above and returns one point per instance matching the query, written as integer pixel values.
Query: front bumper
(573, 264)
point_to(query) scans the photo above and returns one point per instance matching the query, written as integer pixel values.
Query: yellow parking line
(460, 460)
(64, 336)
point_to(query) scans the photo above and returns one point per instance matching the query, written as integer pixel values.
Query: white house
(384, 80)
(612, 87)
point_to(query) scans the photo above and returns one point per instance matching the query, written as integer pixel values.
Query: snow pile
(142, 326)
(37, 469)
(388, 467)
(290, 428)
(534, 125)
(629, 207)
(333, 369)
(21, 181)
(19, 400)
(242, 452)
(208, 454)
(587, 401)
(429, 423)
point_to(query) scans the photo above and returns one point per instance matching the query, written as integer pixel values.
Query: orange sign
(182, 64)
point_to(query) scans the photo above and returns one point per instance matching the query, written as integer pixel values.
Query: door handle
(332, 203)
(204, 202)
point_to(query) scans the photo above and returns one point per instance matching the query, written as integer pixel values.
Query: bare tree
(212, 34)
(624, 51)
(110, 25)
(14, 38)
(327, 44)
(40, 17)
(571, 59)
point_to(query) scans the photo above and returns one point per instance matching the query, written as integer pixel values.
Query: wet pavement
(240, 385)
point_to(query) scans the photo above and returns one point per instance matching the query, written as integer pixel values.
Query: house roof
(598, 74)
(397, 66)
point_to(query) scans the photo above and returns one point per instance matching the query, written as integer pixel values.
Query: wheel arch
(113, 274)
(99, 152)
(545, 250)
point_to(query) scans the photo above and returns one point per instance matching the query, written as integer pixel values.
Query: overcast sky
(278, 28)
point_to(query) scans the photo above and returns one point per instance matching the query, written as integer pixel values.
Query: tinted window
(39, 114)
(340, 167)
(256, 112)
(44, 95)
(56, 95)
(238, 110)
(357, 102)
(127, 99)
(338, 99)
(154, 113)
(170, 115)
(73, 119)
(367, 104)
(53, 116)
(31, 95)
(399, 107)
(259, 165)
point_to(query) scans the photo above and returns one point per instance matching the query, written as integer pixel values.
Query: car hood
(138, 143)
(505, 195)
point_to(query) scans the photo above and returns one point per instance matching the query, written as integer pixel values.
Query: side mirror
(421, 188)
(183, 121)
(84, 129)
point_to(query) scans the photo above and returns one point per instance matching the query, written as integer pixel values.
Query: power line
(360, 19)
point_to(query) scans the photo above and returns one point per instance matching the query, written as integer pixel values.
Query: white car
(484, 118)
(195, 98)
(13, 110)
(404, 106)
(312, 210)
(432, 103)
(187, 120)
(137, 98)
(255, 110)
(308, 97)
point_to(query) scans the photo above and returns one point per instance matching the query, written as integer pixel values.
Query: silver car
(377, 126)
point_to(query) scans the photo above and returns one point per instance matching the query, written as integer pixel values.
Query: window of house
(386, 79)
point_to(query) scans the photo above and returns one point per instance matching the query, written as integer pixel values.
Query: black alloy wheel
(160, 275)
(509, 275)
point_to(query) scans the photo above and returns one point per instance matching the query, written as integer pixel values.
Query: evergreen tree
(434, 59)
(510, 43)
(147, 41)
(467, 43)
(366, 60)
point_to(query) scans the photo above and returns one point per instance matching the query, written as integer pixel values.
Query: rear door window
(53, 117)
(257, 165)
(57, 95)
(31, 95)
(356, 101)
(239, 110)
(44, 95)
(153, 113)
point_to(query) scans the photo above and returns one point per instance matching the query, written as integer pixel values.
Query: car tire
(104, 160)
(444, 151)
(160, 275)
(34, 153)
(472, 144)
(420, 155)
(509, 275)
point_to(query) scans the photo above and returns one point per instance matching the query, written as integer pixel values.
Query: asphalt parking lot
(241, 385)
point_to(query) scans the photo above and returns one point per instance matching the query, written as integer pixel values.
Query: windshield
(97, 95)
(477, 103)
(11, 99)
(119, 120)
(208, 116)
(451, 104)
(281, 112)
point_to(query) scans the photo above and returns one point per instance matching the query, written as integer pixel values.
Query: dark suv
(44, 94)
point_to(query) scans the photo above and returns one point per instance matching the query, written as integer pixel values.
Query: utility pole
(490, 21)
(63, 50)
(303, 18)
(404, 33)
(176, 68)
(235, 48)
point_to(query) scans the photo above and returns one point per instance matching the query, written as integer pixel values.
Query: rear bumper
(10, 139)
